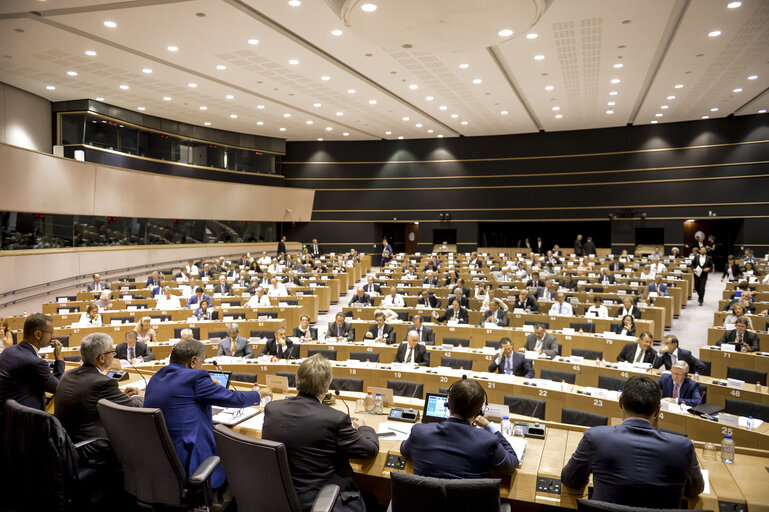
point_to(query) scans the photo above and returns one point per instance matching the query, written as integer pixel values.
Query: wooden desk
(715, 333)
(720, 360)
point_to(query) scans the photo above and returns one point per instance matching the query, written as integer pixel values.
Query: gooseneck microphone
(337, 393)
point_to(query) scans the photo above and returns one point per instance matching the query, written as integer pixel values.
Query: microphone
(137, 371)
(337, 393)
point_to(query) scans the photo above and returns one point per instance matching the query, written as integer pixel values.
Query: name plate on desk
(728, 419)
(735, 383)
(531, 354)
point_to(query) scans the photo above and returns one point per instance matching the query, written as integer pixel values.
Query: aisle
(692, 326)
(324, 318)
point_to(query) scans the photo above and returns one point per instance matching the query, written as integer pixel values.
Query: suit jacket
(695, 365)
(141, 349)
(708, 264)
(730, 336)
(572, 285)
(271, 349)
(154, 282)
(532, 284)
(521, 366)
(314, 250)
(464, 302)
(617, 265)
(663, 289)
(185, 396)
(295, 281)
(616, 456)
(376, 288)
(606, 278)
(432, 301)
(461, 315)
(313, 333)
(588, 248)
(456, 449)
(102, 286)
(578, 247)
(618, 329)
(242, 348)
(365, 300)
(346, 331)
(736, 271)
(689, 391)
(225, 289)
(627, 354)
(502, 319)
(421, 357)
(530, 304)
(25, 377)
(388, 333)
(431, 282)
(194, 300)
(281, 248)
(549, 344)
(426, 334)
(319, 455)
(477, 262)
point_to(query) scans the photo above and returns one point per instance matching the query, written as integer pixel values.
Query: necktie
(508, 370)
(560, 308)
(280, 351)
(233, 347)
(638, 356)
(675, 390)
(380, 332)
(131, 353)
(538, 345)
(409, 355)
(739, 338)
(338, 331)
(419, 332)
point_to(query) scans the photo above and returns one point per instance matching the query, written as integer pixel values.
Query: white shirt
(277, 291)
(396, 302)
(256, 301)
(600, 311)
(172, 303)
(264, 260)
(193, 270)
(658, 267)
(85, 319)
(275, 268)
(623, 312)
(564, 309)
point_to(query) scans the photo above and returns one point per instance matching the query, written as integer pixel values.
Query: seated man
(525, 302)
(132, 350)
(259, 298)
(291, 280)
(561, 308)
(495, 315)
(549, 292)
(742, 339)
(509, 362)
(428, 299)
(607, 277)
(361, 298)
(152, 281)
(597, 309)
(455, 448)
(319, 439)
(277, 289)
(454, 312)
(491, 296)
(412, 352)
(186, 334)
(97, 285)
(235, 345)
(380, 331)
(505, 276)
(616, 456)
(394, 299)
(459, 296)
(640, 352)
(185, 393)
(280, 347)
(430, 279)
(541, 341)
(535, 281)
(670, 354)
(339, 329)
(223, 287)
(371, 287)
(629, 308)
(659, 287)
(475, 261)
(168, 300)
(569, 283)
(425, 334)
(677, 387)
(194, 302)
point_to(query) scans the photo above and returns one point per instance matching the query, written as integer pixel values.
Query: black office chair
(426, 494)
(535, 323)
(140, 306)
(347, 384)
(153, 474)
(232, 303)
(594, 289)
(73, 358)
(244, 456)
(64, 340)
(457, 363)
(750, 376)
(214, 334)
(587, 354)
(616, 327)
(743, 408)
(348, 314)
(444, 391)
(406, 388)
(585, 505)
(257, 333)
(557, 375)
(195, 332)
(16, 340)
(611, 383)
(327, 353)
(526, 406)
(290, 302)
(215, 315)
(587, 419)
(464, 342)
(365, 356)
(291, 376)
(403, 315)
(244, 377)
(123, 319)
(583, 326)
(493, 344)
(707, 369)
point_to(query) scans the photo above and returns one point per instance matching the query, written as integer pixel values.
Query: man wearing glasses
(24, 376)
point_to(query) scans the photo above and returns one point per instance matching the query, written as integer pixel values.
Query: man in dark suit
(154, 280)
(578, 249)
(280, 347)
(670, 353)
(475, 260)
(387, 252)
(132, 350)
(314, 249)
(465, 289)
(430, 279)
(291, 279)
(702, 264)
(740, 337)
(428, 299)
(185, 393)
(281, 246)
(535, 281)
(455, 448)
(606, 277)
(569, 283)
(24, 376)
(223, 287)
(380, 331)
(78, 392)
(318, 455)
(455, 311)
(541, 341)
(678, 387)
(640, 352)
(235, 345)
(339, 329)
(509, 362)
(589, 247)
(361, 298)
(97, 285)
(618, 456)
(495, 315)
(523, 301)
(616, 266)
(459, 295)
(425, 334)
(371, 286)
(658, 286)
(412, 351)
(197, 297)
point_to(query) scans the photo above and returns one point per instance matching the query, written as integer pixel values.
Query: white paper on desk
(45, 350)
(254, 422)
(400, 429)
(519, 446)
(234, 415)
(531, 354)
(743, 422)
(706, 479)
(138, 384)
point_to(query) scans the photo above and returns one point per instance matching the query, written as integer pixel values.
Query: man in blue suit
(185, 394)
(387, 252)
(509, 362)
(634, 463)
(678, 387)
(455, 448)
(198, 297)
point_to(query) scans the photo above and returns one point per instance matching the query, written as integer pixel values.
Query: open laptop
(436, 408)
(223, 378)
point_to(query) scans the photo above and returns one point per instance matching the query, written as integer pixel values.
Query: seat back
(594, 289)
(476, 494)
(587, 419)
(244, 377)
(557, 375)
(406, 388)
(493, 344)
(215, 334)
(291, 376)
(743, 408)
(526, 406)
(457, 363)
(465, 342)
(708, 366)
(609, 382)
(261, 334)
(587, 354)
(750, 376)
(153, 473)
(585, 505)
(535, 323)
(403, 315)
(365, 356)
(347, 384)
(64, 340)
(616, 327)
(233, 303)
(411, 492)
(163, 318)
(327, 353)
(582, 326)
(243, 457)
(195, 332)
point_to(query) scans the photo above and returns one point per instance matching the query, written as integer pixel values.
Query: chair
(261, 334)
(64, 340)
(426, 494)
(70, 309)
(616, 327)
(743, 408)
(153, 474)
(244, 377)
(557, 375)
(584, 418)
(587, 354)
(365, 356)
(708, 366)
(671, 431)
(214, 334)
(443, 391)
(406, 388)
(584, 505)
(291, 376)
(594, 289)
(535, 323)
(493, 344)
(526, 406)
(195, 332)
(76, 358)
(457, 363)
(750, 376)
(232, 303)
(348, 314)
(582, 326)
(464, 342)
(347, 384)
(327, 353)
(403, 315)
(609, 382)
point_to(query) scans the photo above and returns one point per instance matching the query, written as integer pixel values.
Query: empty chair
(215, 334)
(706, 370)
(587, 354)
(403, 315)
(546, 325)
(493, 344)
(244, 377)
(348, 314)
(464, 342)
(73, 358)
(411, 492)
(457, 363)
(291, 376)
(609, 382)
(347, 384)
(406, 388)
(743, 408)
(557, 375)
(526, 406)
(64, 340)
(751, 376)
(290, 302)
(582, 326)
(594, 289)
(261, 334)
(232, 303)
(584, 505)
(327, 353)
(122, 319)
(584, 418)
(365, 356)
(243, 457)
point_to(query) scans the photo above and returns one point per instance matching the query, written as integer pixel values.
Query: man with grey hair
(78, 392)
(677, 387)
(412, 352)
(168, 300)
(318, 456)
(186, 334)
(235, 345)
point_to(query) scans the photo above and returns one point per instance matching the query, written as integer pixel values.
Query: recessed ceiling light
(440, 135)
(556, 108)
(464, 66)
(346, 134)
(325, 77)
(340, 114)
(738, 89)
(504, 112)
(477, 81)
(664, 107)
(372, 102)
(110, 24)
(705, 117)
(539, 57)
(173, 48)
(253, 41)
(558, 116)
(140, 108)
(293, 62)
(233, 116)
(317, 105)
(286, 115)
(654, 121)
(124, 87)
(282, 129)
(336, 32)
(549, 87)
(294, 3)
(259, 123)
(100, 99)
(443, 107)
(615, 80)
(230, 97)
(430, 130)
(203, 107)
(612, 103)
(329, 128)
(72, 73)
(406, 118)
(418, 125)
(463, 122)
(308, 122)
(613, 93)
(429, 98)
(671, 97)
(388, 132)
(368, 7)
(400, 137)
(221, 67)
(714, 109)
(609, 111)
(166, 98)
(147, 71)
(260, 107)
(454, 116)
(532, 36)
(192, 85)
(658, 114)
(90, 53)
(413, 87)
(733, 5)
(762, 111)
(619, 65)
(714, 33)
(752, 77)
(350, 91)
(505, 32)
(207, 123)
(679, 86)
(50, 87)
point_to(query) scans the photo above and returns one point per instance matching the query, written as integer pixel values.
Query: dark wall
(670, 173)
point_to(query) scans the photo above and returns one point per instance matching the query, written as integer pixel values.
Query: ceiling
(603, 63)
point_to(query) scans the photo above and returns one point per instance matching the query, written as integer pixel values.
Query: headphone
(485, 395)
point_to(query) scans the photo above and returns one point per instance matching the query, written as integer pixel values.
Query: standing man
(315, 250)
(702, 265)
(578, 246)
(508, 362)
(387, 252)
(281, 246)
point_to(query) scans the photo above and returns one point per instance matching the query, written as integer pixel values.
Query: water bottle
(727, 449)
(563, 384)
(684, 409)
(378, 405)
(750, 422)
(506, 425)
(370, 403)
(696, 376)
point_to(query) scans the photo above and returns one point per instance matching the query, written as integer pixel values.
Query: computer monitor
(223, 378)
(436, 408)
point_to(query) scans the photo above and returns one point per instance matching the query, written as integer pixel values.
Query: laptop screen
(436, 408)
(223, 378)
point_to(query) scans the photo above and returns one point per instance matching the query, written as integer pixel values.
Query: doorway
(411, 237)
